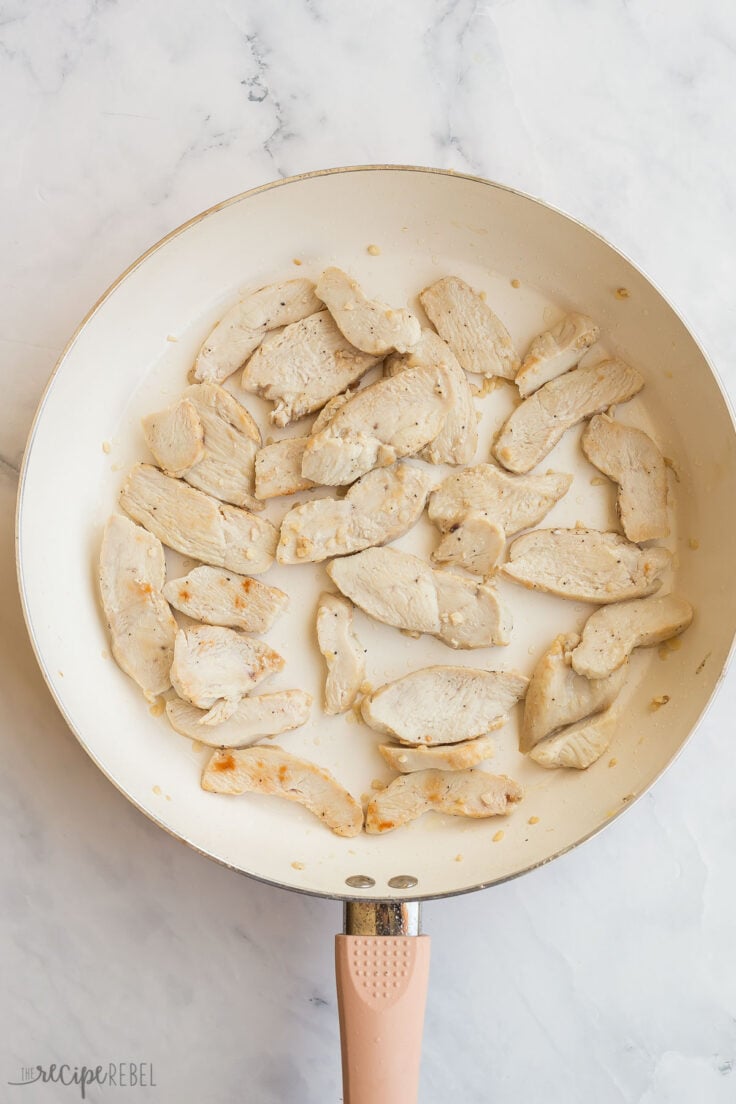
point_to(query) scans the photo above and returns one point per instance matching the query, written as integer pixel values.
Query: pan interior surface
(132, 356)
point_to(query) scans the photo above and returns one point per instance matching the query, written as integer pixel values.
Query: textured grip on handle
(381, 994)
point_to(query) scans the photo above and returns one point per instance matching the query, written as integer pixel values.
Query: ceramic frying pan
(131, 355)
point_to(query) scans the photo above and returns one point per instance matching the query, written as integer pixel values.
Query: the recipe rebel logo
(120, 1075)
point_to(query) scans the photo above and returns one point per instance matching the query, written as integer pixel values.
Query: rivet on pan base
(403, 881)
(361, 881)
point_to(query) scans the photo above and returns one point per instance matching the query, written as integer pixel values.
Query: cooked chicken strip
(556, 351)
(231, 441)
(343, 652)
(577, 746)
(328, 411)
(196, 525)
(302, 367)
(220, 597)
(471, 613)
(271, 770)
(477, 337)
(279, 468)
(448, 757)
(392, 418)
(631, 458)
(443, 705)
(611, 633)
(471, 793)
(538, 423)
(477, 508)
(391, 586)
(245, 325)
(368, 324)
(253, 718)
(214, 664)
(175, 437)
(557, 696)
(458, 439)
(382, 505)
(142, 629)
(401, 590)
(475, 543)
(585, 565)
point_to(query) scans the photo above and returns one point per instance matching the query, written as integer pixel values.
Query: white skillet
(131, 355)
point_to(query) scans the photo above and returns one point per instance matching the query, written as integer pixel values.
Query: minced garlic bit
(484, 296)
(157, 790)
(598, 481)
(622, 293)
(613, 762)
(657, 703)
(298, 865)
(106, 447)
(515, 283)
(377, 784)
(374, 250)
(498, 836)
(157, 708)
(296, 261)
(458, 858)
(533, 820)
(172, 338)
(694, 543)
(168, 797)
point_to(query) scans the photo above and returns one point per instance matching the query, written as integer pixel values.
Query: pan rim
(22, 479)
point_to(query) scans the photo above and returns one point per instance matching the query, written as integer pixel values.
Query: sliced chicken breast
(471, 793)
(391, 586)
(611, 633)
(196, 525)
(395, 417)
(538, 423)
(443, 705)
(472, 614)
(245, 325)
(175, 437)
(477, 337)
(271, 770)
(402, 590)
(513, 501)
(231, 441)
(556, 351)
(213, 664)
(142, 628)
(446, 757)
(579, 745)
(278, 468)
(220, 597)
(368, 324)
(458, 439)
(329, 410)
(631, 458)
(343, 652)
(585, 565)
(557, 696)
(475, 543)
(381, 506)
(252, 719)
(302, 367)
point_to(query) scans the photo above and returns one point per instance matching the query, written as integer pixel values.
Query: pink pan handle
(381, 993)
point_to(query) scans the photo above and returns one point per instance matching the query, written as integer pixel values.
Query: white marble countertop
(607, 976)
